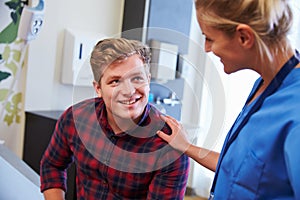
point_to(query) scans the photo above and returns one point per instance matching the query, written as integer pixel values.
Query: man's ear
(97, 88)
(245, 35)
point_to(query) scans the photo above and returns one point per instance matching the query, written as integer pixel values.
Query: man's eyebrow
(130, 75)
(113, 77)
(122, 76)
(136, 73)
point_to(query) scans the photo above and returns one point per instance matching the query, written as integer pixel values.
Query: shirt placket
(106, 161)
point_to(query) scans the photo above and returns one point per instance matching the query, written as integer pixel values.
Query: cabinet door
(39, 128)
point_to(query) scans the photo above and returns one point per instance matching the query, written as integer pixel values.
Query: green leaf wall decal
(3, 94)
(4, 75)
(13, 109)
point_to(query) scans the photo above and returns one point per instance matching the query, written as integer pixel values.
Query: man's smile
(130, 101)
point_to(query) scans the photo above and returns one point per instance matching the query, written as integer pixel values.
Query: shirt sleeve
(292, 158)
(57, 156)
(170, 181)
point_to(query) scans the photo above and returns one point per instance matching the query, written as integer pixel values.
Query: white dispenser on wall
(164, 60)
(78, 45)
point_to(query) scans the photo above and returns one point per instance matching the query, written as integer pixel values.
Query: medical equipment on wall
(167, 96)
(77, 49)
(31, 22)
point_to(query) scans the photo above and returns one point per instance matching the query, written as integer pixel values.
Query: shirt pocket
(247, 179)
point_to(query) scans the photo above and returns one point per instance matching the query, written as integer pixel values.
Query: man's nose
(128, 88)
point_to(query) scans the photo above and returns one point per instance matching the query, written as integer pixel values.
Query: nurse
(259, 158)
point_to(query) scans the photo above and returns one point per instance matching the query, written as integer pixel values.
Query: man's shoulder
(156, 120)
(83, 107)
(87, 102)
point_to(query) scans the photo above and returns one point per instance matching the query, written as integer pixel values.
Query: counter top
(18, 181)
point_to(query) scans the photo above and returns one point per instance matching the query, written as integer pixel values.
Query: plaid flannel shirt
(136, 164)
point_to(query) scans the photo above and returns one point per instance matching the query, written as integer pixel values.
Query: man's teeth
(129, 102)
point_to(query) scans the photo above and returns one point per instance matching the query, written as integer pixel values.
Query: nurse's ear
(245, 35)
(97, 88)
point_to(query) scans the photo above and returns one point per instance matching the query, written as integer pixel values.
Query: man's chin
(128, 116)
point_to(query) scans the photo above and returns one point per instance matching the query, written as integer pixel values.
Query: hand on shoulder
(178, 138)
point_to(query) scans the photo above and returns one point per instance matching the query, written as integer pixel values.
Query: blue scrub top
(264, 161)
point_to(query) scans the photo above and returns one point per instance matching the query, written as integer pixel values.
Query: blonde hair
(270, 20)
(110, 50)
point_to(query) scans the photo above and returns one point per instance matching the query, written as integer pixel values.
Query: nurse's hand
(178, 138)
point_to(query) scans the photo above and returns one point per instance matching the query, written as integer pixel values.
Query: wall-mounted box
(78, 45)
(163, 20)
(164, 60)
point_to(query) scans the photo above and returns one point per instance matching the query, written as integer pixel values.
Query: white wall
(44, 90)
(295, 33)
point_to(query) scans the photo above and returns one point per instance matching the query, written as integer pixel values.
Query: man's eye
(114, 82)
(138, 78)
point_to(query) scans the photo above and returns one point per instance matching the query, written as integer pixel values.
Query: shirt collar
(143, 128)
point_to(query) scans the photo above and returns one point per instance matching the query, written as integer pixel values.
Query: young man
(112, 138)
